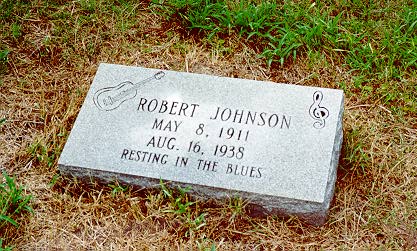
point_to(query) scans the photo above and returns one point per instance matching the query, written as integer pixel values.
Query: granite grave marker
(276, 145)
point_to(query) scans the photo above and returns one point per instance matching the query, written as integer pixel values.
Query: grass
(13, 203)
(181, 206)
(377, 41)
(49, 53)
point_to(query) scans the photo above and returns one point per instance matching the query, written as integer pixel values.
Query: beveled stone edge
(334, 162)
(260, 205)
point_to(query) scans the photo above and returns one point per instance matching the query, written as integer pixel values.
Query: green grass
(377, 41)
(2, 121)
(3, 61)
(44, 153)
(13, 203)
(5, 248)
(117, 189)
(181, 206)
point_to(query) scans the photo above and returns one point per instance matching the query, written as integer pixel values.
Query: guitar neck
(156, 76)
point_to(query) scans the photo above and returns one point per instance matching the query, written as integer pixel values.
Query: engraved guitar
(110, 98)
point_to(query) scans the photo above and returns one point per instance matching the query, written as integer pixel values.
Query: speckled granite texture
(276, 145)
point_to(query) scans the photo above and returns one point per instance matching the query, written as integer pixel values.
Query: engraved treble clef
(318, 112)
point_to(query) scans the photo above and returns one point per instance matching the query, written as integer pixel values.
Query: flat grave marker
(276, 145)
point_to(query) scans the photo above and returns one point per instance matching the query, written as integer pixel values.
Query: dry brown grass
(45, 84)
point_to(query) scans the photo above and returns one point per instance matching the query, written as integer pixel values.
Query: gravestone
(276, 145)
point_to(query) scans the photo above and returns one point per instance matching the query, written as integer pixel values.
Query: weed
(12, 201)
(43, 153)
(236, 205)
(357, 154)
(206, 245)
(3, 56)
(2, 122)
(88, 5)
(16, 30)
(3, 60)
(54, 180)
(178, 205)
(117, 189)
(6, 248)
(181, 206)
